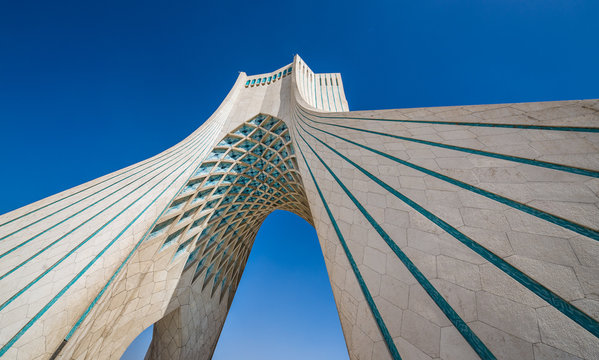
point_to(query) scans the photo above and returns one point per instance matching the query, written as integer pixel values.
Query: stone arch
(251, 172)
(437, 238)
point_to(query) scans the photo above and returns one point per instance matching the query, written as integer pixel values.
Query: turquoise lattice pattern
(215, 218)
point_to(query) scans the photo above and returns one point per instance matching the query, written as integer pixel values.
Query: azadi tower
(459, 232)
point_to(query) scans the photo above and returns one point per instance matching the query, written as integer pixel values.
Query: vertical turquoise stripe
(326, 89)
(306, 87)
(321, 98)
(375, 312)
(315, 98)
(477, 345)
(340, 100)
(333, 93)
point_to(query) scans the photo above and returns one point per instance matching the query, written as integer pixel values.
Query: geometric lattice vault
(448, 233)
(216, 217)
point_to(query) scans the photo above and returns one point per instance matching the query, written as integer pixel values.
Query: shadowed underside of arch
(455, 233)
(250, 173)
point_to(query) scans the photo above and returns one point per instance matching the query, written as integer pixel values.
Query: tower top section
(323, 92)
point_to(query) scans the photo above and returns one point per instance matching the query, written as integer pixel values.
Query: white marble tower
(455, 233)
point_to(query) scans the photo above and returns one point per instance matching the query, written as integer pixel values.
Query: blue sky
(87, 88)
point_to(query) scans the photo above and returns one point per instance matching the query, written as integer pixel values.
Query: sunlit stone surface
(456, 233)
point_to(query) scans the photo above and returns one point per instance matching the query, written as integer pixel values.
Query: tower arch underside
(193, 256)
(251, 172)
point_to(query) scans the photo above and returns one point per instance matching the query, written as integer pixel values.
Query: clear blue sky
(87, 88)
